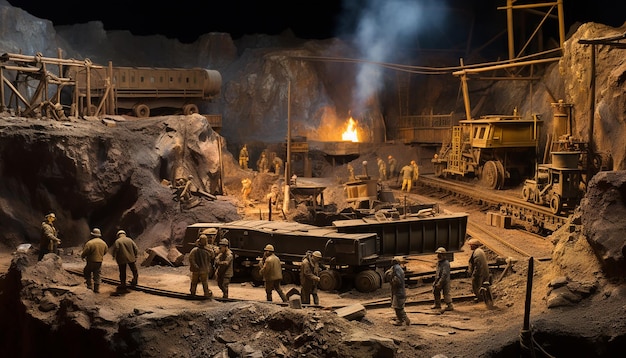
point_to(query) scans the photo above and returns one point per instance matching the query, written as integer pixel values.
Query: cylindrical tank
(561, 119)
(212, 83)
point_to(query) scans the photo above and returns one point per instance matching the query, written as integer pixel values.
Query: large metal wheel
(493, 175)
(490, 175)
(501, 174)
(526, 193)
(141, 110)
(367, 281)
(556, 204)
(330, 280)
(190, 109)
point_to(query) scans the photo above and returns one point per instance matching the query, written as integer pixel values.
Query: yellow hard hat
(269, 247)
(317, 254)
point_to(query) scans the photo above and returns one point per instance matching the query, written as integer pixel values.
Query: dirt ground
(471, 330)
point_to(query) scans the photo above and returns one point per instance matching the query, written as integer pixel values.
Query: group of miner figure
(478, 270)
(124, 251)
(409, 173)
(271, 270)
(207, 260)
(263, 164)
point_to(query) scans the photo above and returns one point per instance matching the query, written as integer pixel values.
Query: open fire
(350, 134)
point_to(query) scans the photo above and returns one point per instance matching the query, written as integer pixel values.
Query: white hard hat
(95, 232)
(317, 254)
(441, 250)
(121, 232)
(269, 247)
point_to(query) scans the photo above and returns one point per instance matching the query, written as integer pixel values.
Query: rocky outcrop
(602, 213)
(609, 130)
(114, 178)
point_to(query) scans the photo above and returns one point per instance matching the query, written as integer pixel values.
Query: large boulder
(602, 213)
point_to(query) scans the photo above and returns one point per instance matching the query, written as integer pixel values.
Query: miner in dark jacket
(125, 253)
(398, 293)
(201, 260)
(310, 276)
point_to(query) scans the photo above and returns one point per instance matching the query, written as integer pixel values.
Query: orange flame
(350, 134)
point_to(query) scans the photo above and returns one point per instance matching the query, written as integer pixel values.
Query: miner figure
(49, 242)
(310, 277)
(93, 253)
(244, 157)
(224, 267)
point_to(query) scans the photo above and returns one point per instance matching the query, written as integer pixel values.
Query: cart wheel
(526, 193)
(367, 281)
(330, 280)
(555, 204)
(141, 111)
(190, 109)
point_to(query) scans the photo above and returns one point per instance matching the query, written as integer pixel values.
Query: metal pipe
(509, 24)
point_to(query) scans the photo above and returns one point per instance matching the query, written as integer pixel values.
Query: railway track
(178, 295)
(534, 218)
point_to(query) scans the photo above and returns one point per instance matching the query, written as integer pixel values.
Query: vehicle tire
(501, 174)
(367, 281)
(556, 204)
(489, 176)
(526, 193)
(141, 110)
(190, 109)
(330, 280)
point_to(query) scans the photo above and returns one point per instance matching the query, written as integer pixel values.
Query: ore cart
(345, 256)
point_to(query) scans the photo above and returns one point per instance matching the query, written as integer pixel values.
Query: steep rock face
(602, 212)
(111, 177)
(610, 67)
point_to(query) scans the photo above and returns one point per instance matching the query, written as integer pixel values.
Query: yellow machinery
(495, 149)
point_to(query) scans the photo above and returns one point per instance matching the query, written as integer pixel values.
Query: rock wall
(91, 175)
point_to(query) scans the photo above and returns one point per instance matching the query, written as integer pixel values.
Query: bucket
(565, 160)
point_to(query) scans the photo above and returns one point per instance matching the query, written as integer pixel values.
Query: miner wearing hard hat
(224, 267)
(310, 276)
(272, 272)
(398, 292)
(201, 260)
(477, 267)
(49, 242)
(125, 252)
(442, 282)
(93, 253)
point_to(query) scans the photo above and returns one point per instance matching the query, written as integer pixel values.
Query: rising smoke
(383, 28)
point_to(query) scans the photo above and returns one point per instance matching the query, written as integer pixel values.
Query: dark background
(320, 19)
